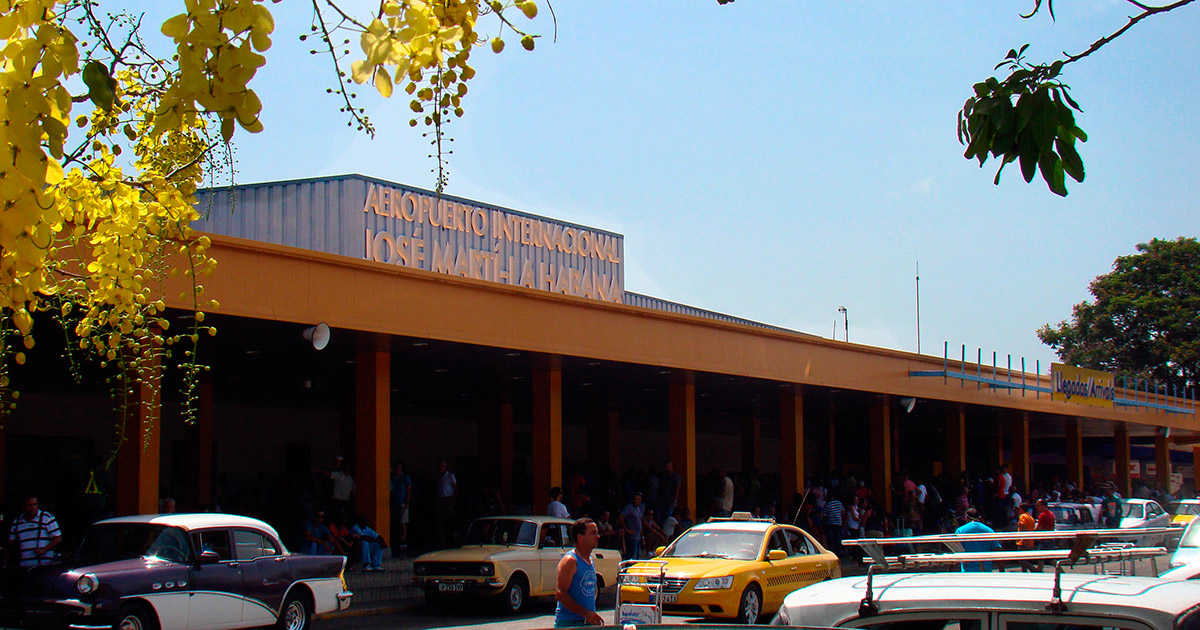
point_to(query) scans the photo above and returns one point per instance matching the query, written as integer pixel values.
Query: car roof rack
(740, 517)
(1083, 551)
(874, 547)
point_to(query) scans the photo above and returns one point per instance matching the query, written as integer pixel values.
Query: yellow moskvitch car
(736, 567)
(508, 558)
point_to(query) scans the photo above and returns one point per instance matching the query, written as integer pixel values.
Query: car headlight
(487, 569)
(708, 584)
(86, 583)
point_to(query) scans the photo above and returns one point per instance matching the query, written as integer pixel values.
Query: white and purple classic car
(173, 571)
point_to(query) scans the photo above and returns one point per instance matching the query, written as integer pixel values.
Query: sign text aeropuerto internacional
(446, 236)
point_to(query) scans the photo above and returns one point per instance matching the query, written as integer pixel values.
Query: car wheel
(135, 617)
(515, 595)
(296, 614)
(751, 605)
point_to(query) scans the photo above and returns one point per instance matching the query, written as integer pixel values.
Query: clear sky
(777, 159)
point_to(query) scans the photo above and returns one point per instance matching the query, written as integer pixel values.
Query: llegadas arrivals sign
(1082, 386)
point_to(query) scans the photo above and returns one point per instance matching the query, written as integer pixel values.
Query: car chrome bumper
(343, 600)
(460, 586)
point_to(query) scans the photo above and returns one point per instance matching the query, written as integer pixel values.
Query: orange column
(138, 453)
(198, 456)
(1162, 461)
(613, 425)
(881, 449)
(956, 440)
(832, 420)
(1019, 425)
(1074, 435)
(751, 439)
(791, 442)
(547, 429)
(603, 435)
(373, 429)
(1121, 453)
(682, 421)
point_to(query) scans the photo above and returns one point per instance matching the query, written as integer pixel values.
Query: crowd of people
(635, 511)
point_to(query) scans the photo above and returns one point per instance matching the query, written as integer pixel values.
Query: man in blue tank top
(576, 592)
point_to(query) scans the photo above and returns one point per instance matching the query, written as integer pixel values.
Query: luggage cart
(648, 573)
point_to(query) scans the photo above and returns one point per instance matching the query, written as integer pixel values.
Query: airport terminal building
(505, 344)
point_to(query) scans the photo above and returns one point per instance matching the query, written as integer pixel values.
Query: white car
(995, 601)
(1143, 513)
(1189, 546)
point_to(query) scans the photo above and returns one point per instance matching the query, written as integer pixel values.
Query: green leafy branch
(1028, 116)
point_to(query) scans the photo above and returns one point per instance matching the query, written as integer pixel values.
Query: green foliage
(1028, 118)
(1145, 320)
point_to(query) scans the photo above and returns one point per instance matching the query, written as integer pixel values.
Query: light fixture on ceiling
(317, 335)
(908, 404)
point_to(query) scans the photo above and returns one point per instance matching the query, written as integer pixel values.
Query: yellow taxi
(1184, 510)
(737, 567)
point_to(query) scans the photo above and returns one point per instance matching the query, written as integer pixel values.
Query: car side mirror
(775, 555)
(658, 551)
(209, 557)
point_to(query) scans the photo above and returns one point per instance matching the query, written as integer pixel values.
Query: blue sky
(775, 160)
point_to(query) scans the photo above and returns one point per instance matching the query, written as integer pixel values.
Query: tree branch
(1147, 11)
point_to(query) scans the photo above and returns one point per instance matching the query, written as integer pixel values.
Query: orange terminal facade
(505, 344)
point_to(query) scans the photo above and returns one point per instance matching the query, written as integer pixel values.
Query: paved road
(466, 614)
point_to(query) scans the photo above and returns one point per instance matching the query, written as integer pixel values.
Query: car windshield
(501, 531)
(1066, 515)
(1133, 510)
(1185, 509)
(716, 543)
(1191, 535)
(119, 541)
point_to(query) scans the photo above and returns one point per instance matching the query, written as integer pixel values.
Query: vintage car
(738, 567)
(176, 571)
(1184, 511)
(995, 601)
(514, 557)
(1073, 516)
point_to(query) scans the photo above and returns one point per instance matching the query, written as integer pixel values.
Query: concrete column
(198, 452)
(995, 452)
(1162, 461)
(496, 440)
(373, 429)
(682, 428)
(1019, 436)
(832, 424)
(547, 429)
(751, 442)
(1074, 435)
(956, 440)
(138, 454)
(791, 442)
(881, 449)
(1121, 455)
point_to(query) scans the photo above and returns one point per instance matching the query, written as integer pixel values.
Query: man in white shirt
(556, 507)
(726, 493)
(447, 492)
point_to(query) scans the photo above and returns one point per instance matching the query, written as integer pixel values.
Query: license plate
(450, 588)
(668, 598)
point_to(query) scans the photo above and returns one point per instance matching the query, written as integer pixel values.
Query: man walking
(34, 535)
(447, 494)
(576, 585)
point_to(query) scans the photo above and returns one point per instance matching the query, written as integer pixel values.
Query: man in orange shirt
(1026, 523)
